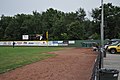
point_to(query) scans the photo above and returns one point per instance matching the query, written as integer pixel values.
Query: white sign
(71, 42)
(25, 37)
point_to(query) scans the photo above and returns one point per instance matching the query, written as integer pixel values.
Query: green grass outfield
(11, 58)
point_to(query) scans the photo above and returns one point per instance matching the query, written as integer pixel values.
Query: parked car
(114, 48)
(111, 42)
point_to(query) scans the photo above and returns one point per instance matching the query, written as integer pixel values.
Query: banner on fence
(36, 43)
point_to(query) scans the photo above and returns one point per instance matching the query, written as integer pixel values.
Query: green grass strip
(11, 58)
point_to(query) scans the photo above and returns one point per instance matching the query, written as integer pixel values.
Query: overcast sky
(13, 7)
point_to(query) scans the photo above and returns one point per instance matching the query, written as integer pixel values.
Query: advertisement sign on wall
(36, 43)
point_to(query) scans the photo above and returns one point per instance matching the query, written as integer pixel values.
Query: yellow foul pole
(47, 37)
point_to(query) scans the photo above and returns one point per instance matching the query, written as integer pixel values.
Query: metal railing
(97, 66)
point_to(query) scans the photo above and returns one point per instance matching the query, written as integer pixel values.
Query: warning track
(69, 64)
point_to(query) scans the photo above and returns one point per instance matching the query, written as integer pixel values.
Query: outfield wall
(70, 43)
(36, 43)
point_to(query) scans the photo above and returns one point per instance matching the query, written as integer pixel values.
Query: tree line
(61, 25)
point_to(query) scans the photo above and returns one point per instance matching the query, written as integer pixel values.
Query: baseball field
(11, 58)
(24, 63)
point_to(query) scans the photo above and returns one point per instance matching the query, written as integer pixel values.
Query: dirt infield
(69, 64)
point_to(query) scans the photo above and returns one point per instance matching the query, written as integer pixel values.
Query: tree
(81, 14)
(4, 22)
(75, 31)
(111, 19)
(12, 32)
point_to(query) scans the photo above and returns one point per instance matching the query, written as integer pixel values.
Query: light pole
(102, 32)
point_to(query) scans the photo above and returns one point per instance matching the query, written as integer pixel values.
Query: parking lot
(112, 61)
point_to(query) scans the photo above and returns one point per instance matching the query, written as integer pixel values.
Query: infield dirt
(69, 64)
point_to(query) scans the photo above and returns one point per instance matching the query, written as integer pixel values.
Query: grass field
(11, 58)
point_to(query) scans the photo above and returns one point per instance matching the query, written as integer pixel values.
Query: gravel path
(69, 64)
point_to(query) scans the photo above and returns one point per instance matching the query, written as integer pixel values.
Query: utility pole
(102, 32)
